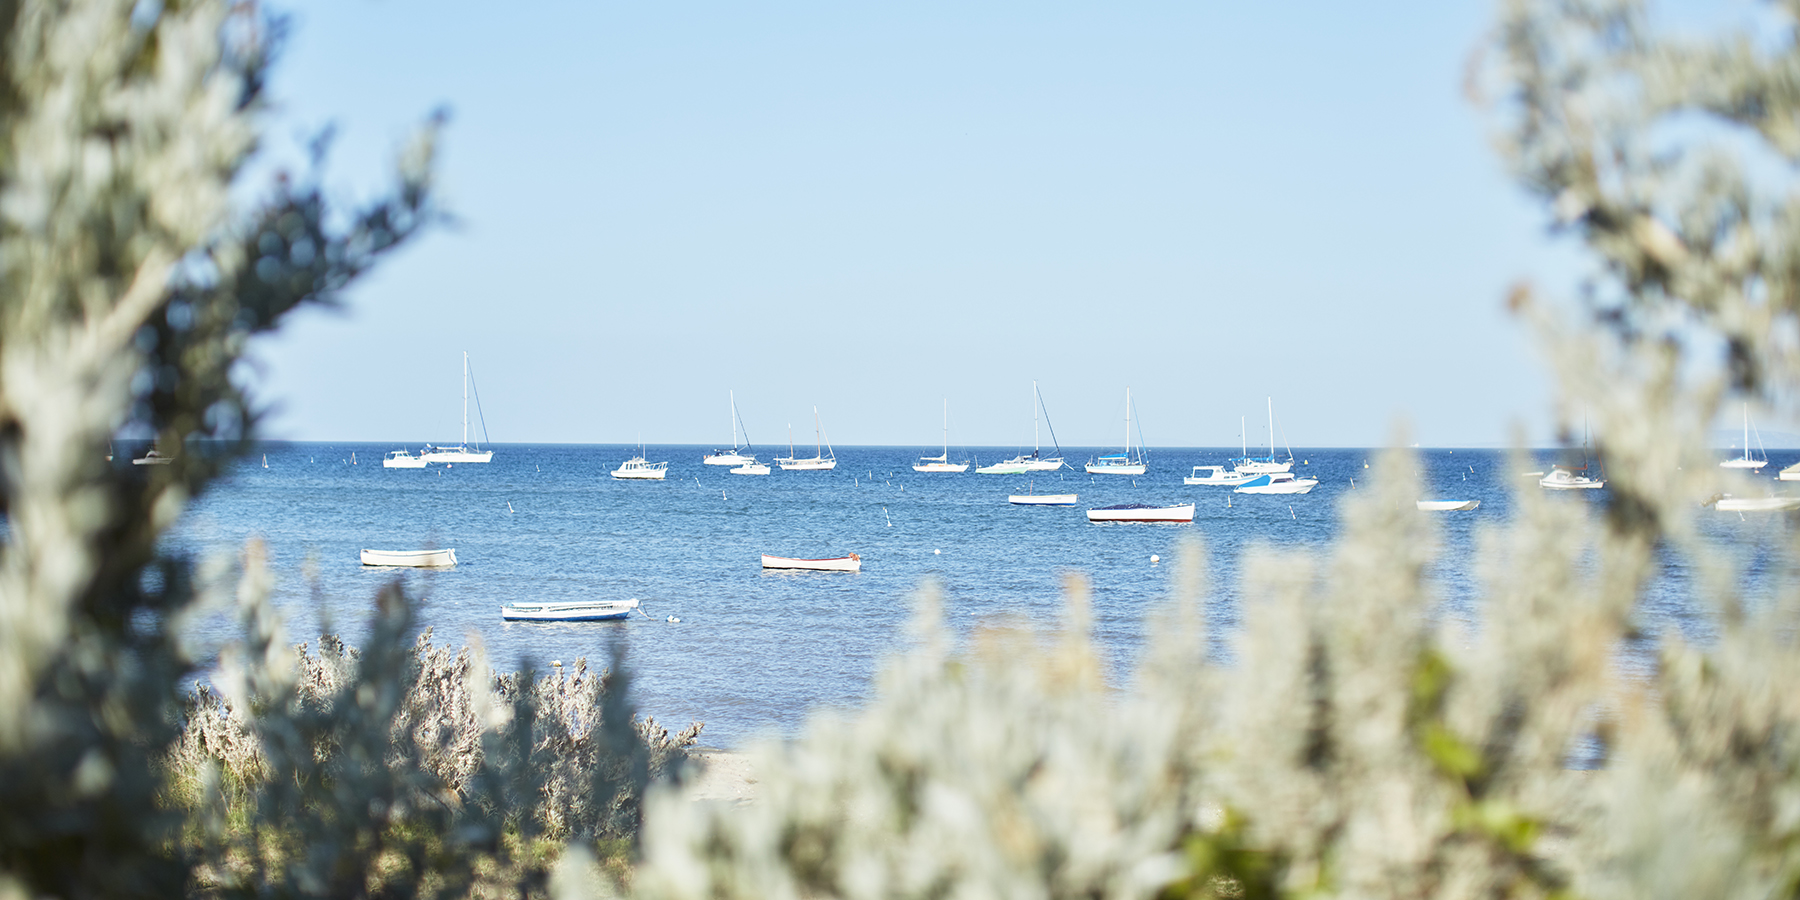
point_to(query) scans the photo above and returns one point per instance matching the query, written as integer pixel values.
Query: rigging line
(1052, 428)
(1143, 451)
(478, 413)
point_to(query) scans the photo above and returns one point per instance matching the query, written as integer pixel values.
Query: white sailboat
(736, 455)
(1035, 462)
(1263, 465)
(820, 461)
(461, 453)
(941, 463)
(1120, 463)
(1747, 461)
(1568, 478)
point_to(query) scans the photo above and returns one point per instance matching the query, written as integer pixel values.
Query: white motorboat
(462, 453)
(823, 458)
(1447, 505)
(736, 455)
(751, 468)
(638, 468)
(1264, 465)
(1041, 499)
(1747, 461)
(849, 563)
(577, 611)
(153, 458)
(1142, 512)
(398, 459)
(1277, 483)
(1121, 463)
(428, 559)
(1015, 466)
(1217, 475)
(1791, 473)
(1566, 479)
(941, 463)
(1757, 504)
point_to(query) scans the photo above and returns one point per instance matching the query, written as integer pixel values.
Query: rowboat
(579, 611)
(1447, 505)
(412, 558)
(1758, 504)
(1041, 499)
(850, 563)
(1142, 512)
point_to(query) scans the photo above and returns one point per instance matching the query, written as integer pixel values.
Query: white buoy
(674, 621)
(936, 552)
(1155, 559)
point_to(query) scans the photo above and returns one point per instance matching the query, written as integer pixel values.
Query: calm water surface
(754, 650)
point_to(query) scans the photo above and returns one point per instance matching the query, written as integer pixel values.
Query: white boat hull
(1791, 473)
(153, 458)
(1098, 469)
(1447, 505)
(754, 468)
(1758, 504)
(640, 470)
(807, 465)
(1564, 480)
(1277, 483)
(728, 459)
(851, 563)
(427, 559)
(457, 455)
(1042, 499)
(581, 611)
(1263, 466)
(1138, 512)
(1218, 478)
(941, 467)
(1743, 463)
(1010, 467)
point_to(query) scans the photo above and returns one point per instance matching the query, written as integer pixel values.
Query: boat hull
(1563, 480)
(941, 467)
(754, 468)
(1277, 483)
(403, 462)
(1041, 499)
(728, 459)
(1218, 478)
(590, 611)
(1743, 464)
(1005, 468)
(1447, 505)
(1098, 469)
(457, 455)
(807, 465)
(1137, 512)
(416, 559)
(851, 563)
(1791, 473)
(1758, 504)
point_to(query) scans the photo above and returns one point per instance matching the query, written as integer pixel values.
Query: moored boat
(1277, 483)
(1142, 512)
(1791, 473)
(576, 611)
(1447, 505)
(1217, 475)
(1747, 461)
(397, 459)
(1041, 499)
(751, 468)
(824, 459)
(153, 458)
(638, 468)
(849, 563)
(941, 463)
(410, 558)
(1121, 463)
(736, 455)
(1757, 504)
(1566, 479)
(461, 453)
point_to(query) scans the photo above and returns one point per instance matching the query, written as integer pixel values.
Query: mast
(1271, 429)
(734, 443)
(818, 436)
(1128, 424)
(1034, 417)
(946, 429)
(465, 439)
(1243, 441)
(1746, 431)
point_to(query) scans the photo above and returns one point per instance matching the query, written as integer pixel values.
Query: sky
(873, 209)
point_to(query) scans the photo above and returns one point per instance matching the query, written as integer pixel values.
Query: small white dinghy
(1142, 512)
(1447, 505)
(578, 611)
(412, 558)
(1758, 504)
(850, 563)
(751, 468)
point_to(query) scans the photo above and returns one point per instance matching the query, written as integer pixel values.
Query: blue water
(755, 651)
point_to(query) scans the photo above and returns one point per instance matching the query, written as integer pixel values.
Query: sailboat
(1121, 463)
(736, 455)
(461, 453)
(942, 463)
(1264, 465)
(819, 462)
(1569, 478)
(1033, 463)
(1747, 461)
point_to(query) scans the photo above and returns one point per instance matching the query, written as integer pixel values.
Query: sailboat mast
(818, 437)
(1128, 423)
(465, 439)
(1034, 420)
(1271, 429)
(1746, 431)
(946, 429)
(733, 395)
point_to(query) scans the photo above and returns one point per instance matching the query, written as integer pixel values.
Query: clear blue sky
(872, 207)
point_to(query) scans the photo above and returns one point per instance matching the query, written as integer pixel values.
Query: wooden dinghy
(1041, 499)
(577, 611)
(850, 563)
(412, 558)
(1447, 505)
(1142, 512)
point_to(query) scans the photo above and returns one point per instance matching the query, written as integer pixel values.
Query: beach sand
(725, 776)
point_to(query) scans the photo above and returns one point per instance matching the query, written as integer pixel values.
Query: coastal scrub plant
(1361, 741)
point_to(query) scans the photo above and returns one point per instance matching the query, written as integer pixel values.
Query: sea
(751, 652)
